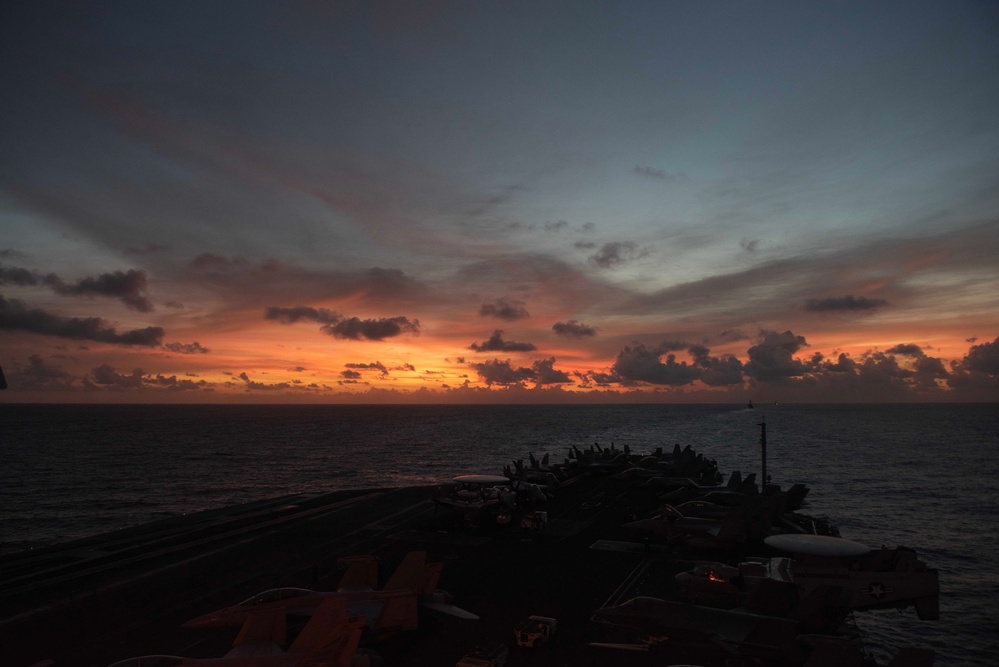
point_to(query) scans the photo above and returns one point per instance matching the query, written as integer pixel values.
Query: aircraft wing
(450, 609)
(409, 573)
(644, 648)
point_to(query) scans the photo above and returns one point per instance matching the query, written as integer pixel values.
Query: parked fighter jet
(389, 610)
(701, 532)
(330, 638)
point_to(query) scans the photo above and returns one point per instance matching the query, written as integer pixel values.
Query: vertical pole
(763, 448)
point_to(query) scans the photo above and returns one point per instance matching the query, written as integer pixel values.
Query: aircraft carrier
(99, 600)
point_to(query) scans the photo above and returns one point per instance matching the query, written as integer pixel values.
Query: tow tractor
(535, 631)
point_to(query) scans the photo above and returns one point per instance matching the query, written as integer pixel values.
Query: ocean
(923, 476)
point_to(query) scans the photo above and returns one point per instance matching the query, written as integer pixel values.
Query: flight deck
(95, 601)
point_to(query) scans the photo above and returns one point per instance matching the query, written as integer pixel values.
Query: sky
(506, 202)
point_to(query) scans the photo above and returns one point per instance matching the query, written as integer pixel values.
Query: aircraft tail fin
(330, 636)
(262, 633)
(409, 573)
(361, 573)
(426, 583)
(400, 612)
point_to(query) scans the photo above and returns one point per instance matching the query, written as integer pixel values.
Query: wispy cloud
(613, 254)
(659, 174)
(847, 303)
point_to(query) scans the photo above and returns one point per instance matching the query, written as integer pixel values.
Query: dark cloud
(612, 254)
(253, 385)
(40, 375)
(573, 329)
(378, 366)
(302, 314)
(105, 376)
(880, 366)
(127, 286)
(749, 245)
(848, 302)
(172, 383)
(909, 350)
(502, 372)
(350, 375)
(604, 379)
(357, 329)
(497, 344)
(930, 367)
(14, 315)
(716, 371)
(186, 348)
(510, 310)
(983, 358)
(773, 357)
(545, 373)
(338, 326)
(976, 377)
(843, 364)
(13, 275)
(642, 364)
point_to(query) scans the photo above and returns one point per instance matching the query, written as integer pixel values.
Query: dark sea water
(923, 476)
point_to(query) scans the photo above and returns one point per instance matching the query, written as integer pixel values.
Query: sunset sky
(499, 201)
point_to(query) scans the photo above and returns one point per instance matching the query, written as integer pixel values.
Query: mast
(763, 452)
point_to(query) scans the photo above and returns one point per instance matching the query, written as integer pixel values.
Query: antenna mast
(763, 450)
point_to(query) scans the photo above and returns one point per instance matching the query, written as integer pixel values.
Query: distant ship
(750, 406)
